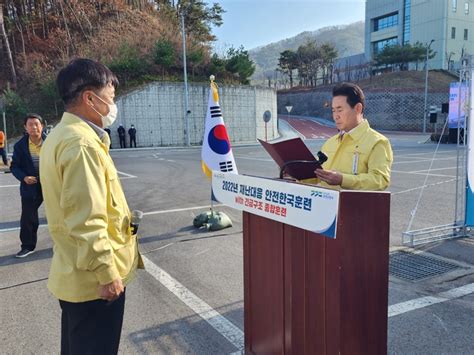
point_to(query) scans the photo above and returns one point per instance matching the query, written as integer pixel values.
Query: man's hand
(330, 177)
(111, 291)
(30, 180)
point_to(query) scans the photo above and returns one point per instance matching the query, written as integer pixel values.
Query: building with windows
(450, 23)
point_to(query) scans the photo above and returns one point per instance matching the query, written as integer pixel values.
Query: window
(455, 5)
(385, 22)
(378, 46)
(466, 8)
(406, 22)
(465, 34)
(453, 32)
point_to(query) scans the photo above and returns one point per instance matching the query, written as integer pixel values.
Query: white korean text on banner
(306, 207)
(457, 111)
(216, 150)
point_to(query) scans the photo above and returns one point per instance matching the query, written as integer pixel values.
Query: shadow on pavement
(37, 255)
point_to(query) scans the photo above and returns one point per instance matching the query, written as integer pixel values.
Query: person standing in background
(121, 133)
(132, 132)
(3, 152)
(25, 167)
(110, 137)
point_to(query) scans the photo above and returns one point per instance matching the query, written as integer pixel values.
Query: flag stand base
(212, 220)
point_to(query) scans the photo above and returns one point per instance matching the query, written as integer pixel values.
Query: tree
(240, 64)
(16, 108)
(164, 55)
(217, 66)
(198, 18)
(287, 63)
(328, 54)
(309, 60)
(7, 47)
(400, 56)
(128, 64)
(195, 57)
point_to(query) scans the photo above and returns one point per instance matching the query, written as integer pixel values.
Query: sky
(254, 23)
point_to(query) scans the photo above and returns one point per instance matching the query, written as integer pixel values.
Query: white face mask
(110, 118)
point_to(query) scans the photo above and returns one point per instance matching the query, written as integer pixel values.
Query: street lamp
(426, 85)
(449, 60)
(186, 99)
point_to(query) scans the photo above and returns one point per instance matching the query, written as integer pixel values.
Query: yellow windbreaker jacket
(88, 216)
(363, 156)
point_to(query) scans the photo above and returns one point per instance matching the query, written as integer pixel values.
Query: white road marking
(181, 209)
(202, 252)
(221, 324)
(424, 171)
(250, 158)
(18, 228)
(416, 154)
(145, 214)
(236, 337)
(422, 161)
(125, 174)
(424, 174)
(421, 187)
(156, 249)
(417, 303)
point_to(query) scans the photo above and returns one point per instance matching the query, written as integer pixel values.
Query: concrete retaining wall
(157, 111)
(385, 109)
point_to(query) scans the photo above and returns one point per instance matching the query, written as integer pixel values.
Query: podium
(309, 292)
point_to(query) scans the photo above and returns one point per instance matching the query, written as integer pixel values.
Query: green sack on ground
(218, 221)
(201, 219)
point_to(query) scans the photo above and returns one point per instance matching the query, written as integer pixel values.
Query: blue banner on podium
(307, 207)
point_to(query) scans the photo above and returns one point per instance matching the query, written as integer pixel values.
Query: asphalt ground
(190, 299)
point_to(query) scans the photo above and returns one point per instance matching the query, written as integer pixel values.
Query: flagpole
(212, 202)
(216, 155)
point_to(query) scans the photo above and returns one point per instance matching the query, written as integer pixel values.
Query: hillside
(438, 81)
(347, 39)
(138, 40)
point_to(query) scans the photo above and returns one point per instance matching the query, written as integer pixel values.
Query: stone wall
(157, 111)
(385, 109)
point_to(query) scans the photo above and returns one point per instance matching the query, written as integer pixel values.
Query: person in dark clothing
(110, 137)
(132, 132)
(121, 133)
(25, 167)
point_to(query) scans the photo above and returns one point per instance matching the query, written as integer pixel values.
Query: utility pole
(185, 72)
(425, 113)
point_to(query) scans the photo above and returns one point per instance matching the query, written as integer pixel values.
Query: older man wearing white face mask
(95, 254)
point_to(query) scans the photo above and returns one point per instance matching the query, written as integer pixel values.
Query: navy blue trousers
(91, 328)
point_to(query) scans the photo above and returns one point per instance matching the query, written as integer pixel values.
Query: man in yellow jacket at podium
(359, 158)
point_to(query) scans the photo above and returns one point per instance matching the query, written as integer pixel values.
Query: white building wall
(430, 19)
(378, 8)
(157, 111)
(459, 20)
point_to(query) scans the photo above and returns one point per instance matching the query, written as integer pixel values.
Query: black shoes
(24, 253)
